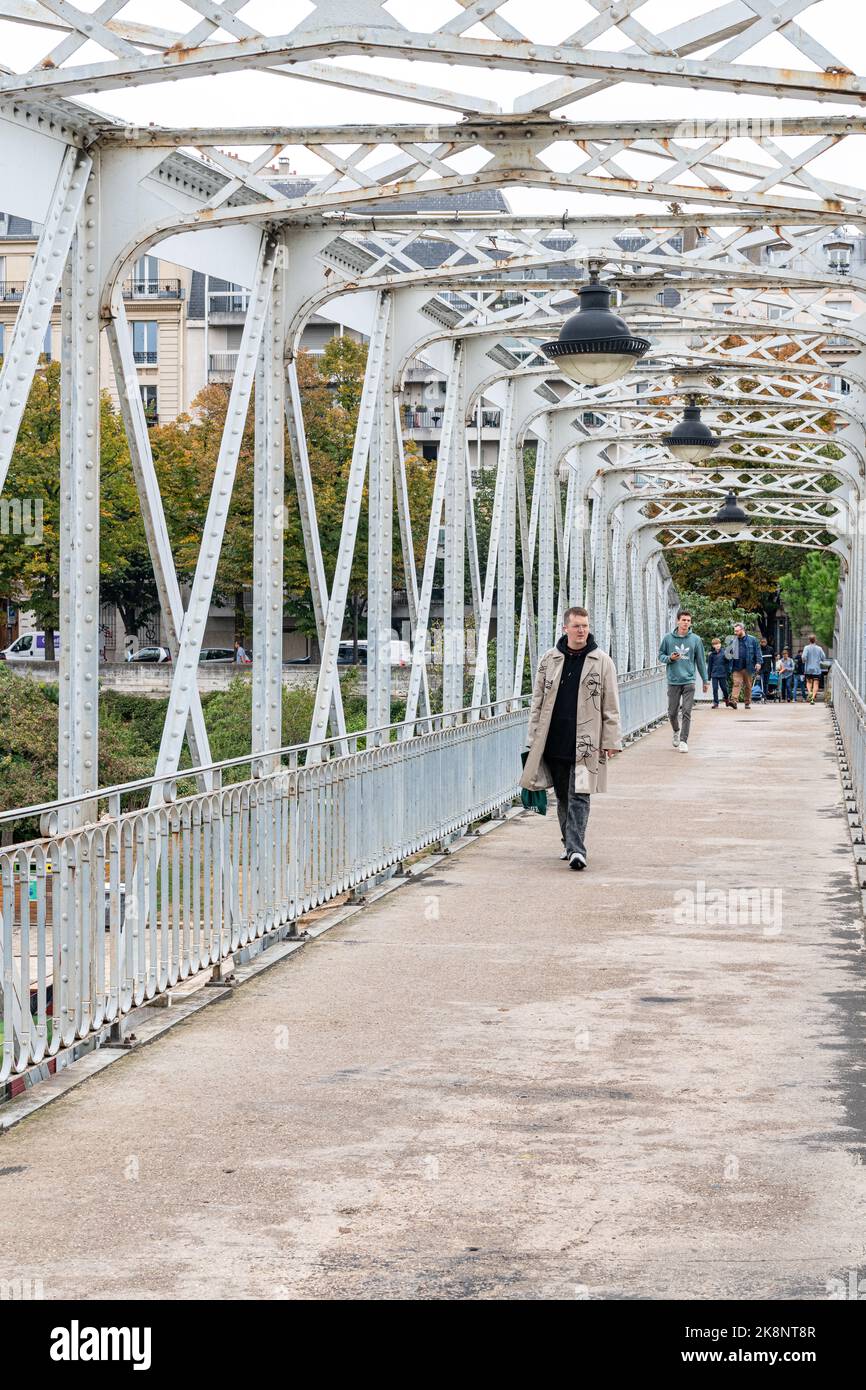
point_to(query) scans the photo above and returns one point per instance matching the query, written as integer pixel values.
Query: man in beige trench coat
(574, 728)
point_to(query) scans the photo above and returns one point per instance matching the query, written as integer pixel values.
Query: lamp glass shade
(595, 368)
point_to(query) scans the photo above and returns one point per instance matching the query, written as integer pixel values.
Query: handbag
(532, 801)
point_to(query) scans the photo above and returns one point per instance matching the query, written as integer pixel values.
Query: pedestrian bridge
(498, 1079)
(667, 1093)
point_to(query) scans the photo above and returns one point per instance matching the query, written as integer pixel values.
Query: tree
(810, 594)
(33, 570)
(712, 617)
(744, 574)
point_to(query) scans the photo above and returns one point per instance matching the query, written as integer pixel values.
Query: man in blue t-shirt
(682, 651)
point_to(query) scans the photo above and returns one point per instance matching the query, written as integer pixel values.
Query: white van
(29, 647)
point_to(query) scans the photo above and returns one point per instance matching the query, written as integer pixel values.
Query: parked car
(346, 653)
(29, 647)
(221, 656)
(153, 655)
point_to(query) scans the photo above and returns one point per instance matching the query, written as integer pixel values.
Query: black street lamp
(730, 517)
(691, 439)
(595, 346)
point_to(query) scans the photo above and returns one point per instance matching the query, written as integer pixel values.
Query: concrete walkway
(508, 1080)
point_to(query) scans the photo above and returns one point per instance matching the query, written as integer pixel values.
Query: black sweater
(562, 733)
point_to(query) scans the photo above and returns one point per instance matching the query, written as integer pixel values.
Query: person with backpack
(682, 651)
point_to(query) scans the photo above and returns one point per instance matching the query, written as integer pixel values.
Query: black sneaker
(576, 860)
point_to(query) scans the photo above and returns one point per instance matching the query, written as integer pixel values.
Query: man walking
(813, 655)
(682, 651)
(573, 729)
(746, 663)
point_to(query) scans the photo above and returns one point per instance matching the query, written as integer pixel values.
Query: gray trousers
(572, 807)
(686, 694)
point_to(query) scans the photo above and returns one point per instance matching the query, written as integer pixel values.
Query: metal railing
(850, 711)
(152, 289)
(228, 302)
(145, 357)
(100, 919)
(222, 362)
(12, 291)
(642, 700)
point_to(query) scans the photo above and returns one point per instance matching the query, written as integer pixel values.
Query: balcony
(221, 366)
(420, 418)
(227, 306)
(145, 359)
(12, 291)
(152, 289)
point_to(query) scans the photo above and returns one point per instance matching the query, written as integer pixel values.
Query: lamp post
(595, 346)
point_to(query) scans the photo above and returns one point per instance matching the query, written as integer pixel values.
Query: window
(2, 339)
(145, 278)
(148, 400)
(719, 307)
(144, 333)
(844, 386)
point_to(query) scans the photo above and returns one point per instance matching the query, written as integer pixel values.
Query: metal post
(443, 464)
(269, 466)
(380, 522)
(185, 673)
(34, 314)
(78, 723)
(328, 674)
(153, 516)
(455, 538)
(310, 530)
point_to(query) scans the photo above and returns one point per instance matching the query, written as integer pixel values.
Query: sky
(257, 97)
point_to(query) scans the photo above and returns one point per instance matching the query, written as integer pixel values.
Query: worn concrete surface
(509, 1080)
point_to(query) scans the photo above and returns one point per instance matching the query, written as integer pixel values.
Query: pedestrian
(787, 676)
(573, 729)
(813, 655)
(745, 656)
(682, 651)
(799, 675)
(241, 658)
(719, 672)
(768, 660)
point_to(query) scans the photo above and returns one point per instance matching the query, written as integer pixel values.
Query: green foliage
(745, 575)
(810, 595)
(715, 617)
(28, 744)
(31, 571)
